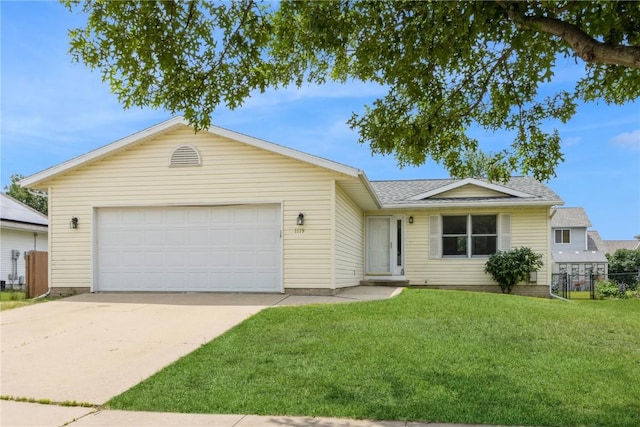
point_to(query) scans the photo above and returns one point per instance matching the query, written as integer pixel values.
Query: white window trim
(503, 236)
(469, 235)
(562, 230)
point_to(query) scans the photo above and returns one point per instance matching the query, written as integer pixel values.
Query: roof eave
(475, 204)
(23, 226)
(285, 151)
(47, 174)
(369, 187)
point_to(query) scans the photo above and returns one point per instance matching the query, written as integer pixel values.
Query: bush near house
(623, 267)
(611, 289)
(508, 268)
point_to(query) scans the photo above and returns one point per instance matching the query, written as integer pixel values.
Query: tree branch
(585, 46)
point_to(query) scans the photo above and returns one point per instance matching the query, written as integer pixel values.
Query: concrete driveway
(91, 347)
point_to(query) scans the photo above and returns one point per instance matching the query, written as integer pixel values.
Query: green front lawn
(440, 356)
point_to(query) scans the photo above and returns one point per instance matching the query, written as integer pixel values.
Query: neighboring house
(610, 246)
(169, 210)
(22, 229)
(574, 249)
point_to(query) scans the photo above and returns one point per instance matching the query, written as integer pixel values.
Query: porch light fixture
(74, 222)
(533, 276)
(410, 220)
(300, 220)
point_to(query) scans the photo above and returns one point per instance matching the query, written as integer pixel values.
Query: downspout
(43, 295)
(552, 295)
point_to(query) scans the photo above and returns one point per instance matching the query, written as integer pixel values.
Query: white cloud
(627, 140)
(570, 141)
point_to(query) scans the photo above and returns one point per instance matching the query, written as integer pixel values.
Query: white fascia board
(21, 226)
(102, 151)
(367, 185)
(471, 181)
(508, 203)
(285, 151)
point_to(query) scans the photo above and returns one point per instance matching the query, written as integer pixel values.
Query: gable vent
(185, 155)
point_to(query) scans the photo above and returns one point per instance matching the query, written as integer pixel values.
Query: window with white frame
(563, 236)
(469, 235)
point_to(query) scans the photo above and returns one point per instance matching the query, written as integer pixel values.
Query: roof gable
(569, 217)
(353, 180)
(172, 124)
(465, 192)
(472, 186)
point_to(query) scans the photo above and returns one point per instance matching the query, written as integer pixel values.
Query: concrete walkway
(91, 347)
(35, 415)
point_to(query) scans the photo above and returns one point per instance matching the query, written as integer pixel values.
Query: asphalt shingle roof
(579, 256)
(570, 217)
(610, 246)
(594, 241)
(401, 192)
(13, 210)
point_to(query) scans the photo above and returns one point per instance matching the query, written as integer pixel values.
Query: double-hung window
(563, 236)
(469, 235)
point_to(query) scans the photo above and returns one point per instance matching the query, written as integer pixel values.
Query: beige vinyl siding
(528, 228)
(231, 172)
(349, 241)
(468, 191)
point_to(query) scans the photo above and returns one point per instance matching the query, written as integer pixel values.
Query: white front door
(385, 245)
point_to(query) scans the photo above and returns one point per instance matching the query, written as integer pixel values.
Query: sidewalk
(33, 414)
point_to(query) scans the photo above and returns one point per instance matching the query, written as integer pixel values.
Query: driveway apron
(91, 347)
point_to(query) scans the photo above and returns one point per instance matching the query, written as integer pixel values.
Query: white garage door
(185, 248)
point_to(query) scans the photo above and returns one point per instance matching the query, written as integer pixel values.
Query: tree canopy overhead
(447, 66)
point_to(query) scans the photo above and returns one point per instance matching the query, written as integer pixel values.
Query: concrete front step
(382, 282)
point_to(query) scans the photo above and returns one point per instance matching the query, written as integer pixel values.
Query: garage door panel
(175, 259)
(215, 248)
(153, 216)
(267, 258)
(132, 259)
(219, 259)
(198, 236)
(176, 236)
(128, 237)
(197, 258)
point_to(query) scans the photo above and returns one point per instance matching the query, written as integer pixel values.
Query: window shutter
(504, 238)
(435, 237)
(185, 155)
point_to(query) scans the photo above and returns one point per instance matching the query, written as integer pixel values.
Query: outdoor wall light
(300, 220)
(533, 276)
(410, 220)
(74, 222)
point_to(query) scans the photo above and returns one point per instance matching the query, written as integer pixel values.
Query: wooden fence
(37, 269)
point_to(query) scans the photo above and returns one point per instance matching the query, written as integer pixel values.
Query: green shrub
(623, 267)
(632, 294)
(511, 267)
(607, 289)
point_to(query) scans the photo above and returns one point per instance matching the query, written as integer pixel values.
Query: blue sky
(53, 110)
